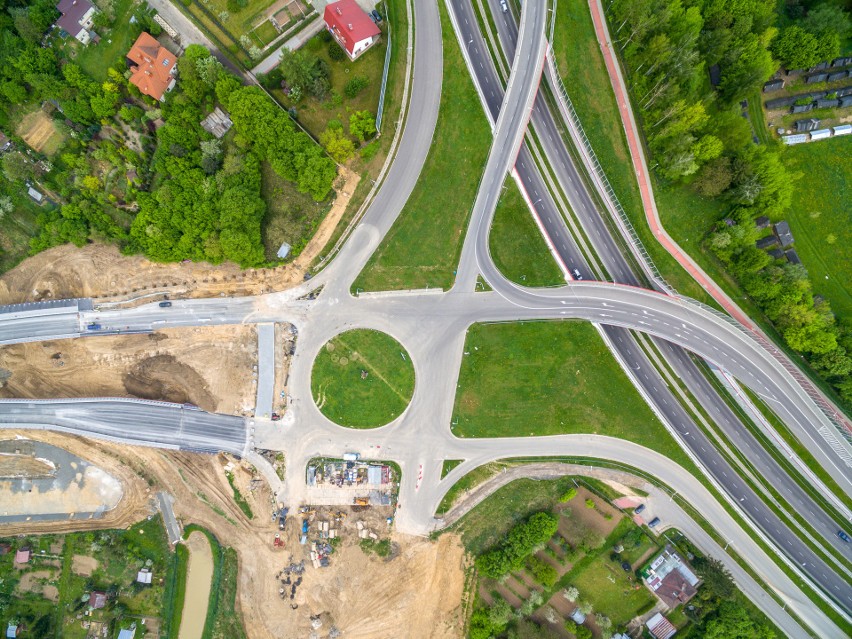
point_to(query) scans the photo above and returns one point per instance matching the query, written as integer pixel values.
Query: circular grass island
(362, 379)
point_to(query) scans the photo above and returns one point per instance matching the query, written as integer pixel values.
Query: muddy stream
(197, 586)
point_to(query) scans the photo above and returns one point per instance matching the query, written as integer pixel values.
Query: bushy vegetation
(175, 194)
(697, 137)
(520, 542)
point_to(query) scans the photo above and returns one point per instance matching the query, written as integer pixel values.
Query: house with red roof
(350, 25)
(152, 66)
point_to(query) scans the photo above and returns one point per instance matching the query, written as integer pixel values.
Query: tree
(355, 85)
(716, 577)
(583, 632)
(567, 496)
(571, 593)
(799, 49)
(585, 607)
(6, 206)
(336, 143)
(209, 70)
(713, 178)
(362, 125)
(828, 18)
(733, 622)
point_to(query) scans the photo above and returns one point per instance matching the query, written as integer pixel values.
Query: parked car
(377, 17)
(653, 522)
(625, 566)
(504, 6)
(638, 509)
(165, 304)
(844, 536)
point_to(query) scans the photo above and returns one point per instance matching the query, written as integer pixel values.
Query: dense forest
(697, 137)
(137, 172)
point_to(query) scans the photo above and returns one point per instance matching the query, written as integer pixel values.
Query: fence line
(381, 108)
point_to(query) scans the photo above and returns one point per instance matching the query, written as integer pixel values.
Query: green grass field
(550, 378)
(115, 42)
(349, 398)
(606, 586)
(422, 248)
(291, 216)
(516, 244)
(819, 217)
(315, 115)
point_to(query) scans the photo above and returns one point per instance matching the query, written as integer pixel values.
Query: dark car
(653, 522)
(165, 304)
(638, 509)
(844, 536)
(376, 16)
(625, 566)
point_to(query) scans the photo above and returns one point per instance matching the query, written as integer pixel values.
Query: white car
(504, 6)
(576, 273)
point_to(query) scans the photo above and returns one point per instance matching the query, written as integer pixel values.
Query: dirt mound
(164, 378)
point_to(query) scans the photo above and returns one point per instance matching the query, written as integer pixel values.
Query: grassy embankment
(516, 244)
(362, 379)
(549, 378)
(423, 246)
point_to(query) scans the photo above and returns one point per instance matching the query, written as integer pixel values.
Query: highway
(432, 327)
(655, 389)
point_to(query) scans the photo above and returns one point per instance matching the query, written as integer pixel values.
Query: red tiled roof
(22, 556)
(152, 66)
(349, 22)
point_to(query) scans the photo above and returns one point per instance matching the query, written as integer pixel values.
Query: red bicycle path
(653, 217)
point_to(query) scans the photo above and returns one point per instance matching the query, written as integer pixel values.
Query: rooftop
(151, 66)
(349, 23)
(670, 577)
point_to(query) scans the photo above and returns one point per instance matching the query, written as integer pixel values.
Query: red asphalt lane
(653, 218)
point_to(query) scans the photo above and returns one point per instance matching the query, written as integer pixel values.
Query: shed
(374, 475)
(766, 242)
(846, 101)
(819, 67)
(97, 600)
(144, 576)
(217, 123)
(843, 129)
(578, 617)
(803, 126)
(782, 230)
(843, 91)
(773, 85)
(660, 627)
(820, 134)
(35, 195)
(762, 222)
(841, 62)
(836, 75)
(816, 77)
(776, 253)
(11, 630)
(715, 75)
(792, 256)
(283, 251)
(22, 556)
(795, 139)
(802, 108)
(826, 103)
(125, 633)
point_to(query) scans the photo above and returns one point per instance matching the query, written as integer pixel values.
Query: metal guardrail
(381, 109)
(608, 192)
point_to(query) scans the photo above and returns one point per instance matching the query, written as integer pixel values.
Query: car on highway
(94, 326)
(165, 304)
(504, 6)
(844, 536)
(576, 273)
(653, 522)
(638, 509)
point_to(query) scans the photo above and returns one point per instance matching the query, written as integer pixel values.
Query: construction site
(352, 481)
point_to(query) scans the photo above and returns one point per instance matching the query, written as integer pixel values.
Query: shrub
(590, 503)
(568, 495)
(583, 632)
(542, 572)
(519, 543)
(355, 85)
(335, 52)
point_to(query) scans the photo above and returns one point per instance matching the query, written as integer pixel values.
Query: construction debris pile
(349, 473)
(290, 578)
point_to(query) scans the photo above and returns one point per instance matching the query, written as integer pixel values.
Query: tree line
(698, 138)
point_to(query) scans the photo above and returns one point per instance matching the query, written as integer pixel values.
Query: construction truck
(361, 501)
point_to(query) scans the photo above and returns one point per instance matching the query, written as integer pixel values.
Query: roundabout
(362, 379)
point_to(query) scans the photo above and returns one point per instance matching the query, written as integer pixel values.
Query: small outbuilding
(802, 108)
(12, 630)
(217, 123)
(22, 556)
(820, 134)
(843, 129)
(816, 77)
(841, 62)
(819, 67)
(776, 253)
(799, 138)
(97, 600)
(660, 627)
(792, 256)
(578, 617)
(845, 101)
(125, 633)
(144, 576)
(803, 126)
(773, 85)
(782, 231)
(837, 75)
(762, 222)
(827, 103)
(766, 242)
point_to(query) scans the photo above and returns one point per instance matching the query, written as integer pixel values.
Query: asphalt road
(646, 376)
(432, 328)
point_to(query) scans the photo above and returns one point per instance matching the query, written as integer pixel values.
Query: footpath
(643, 178)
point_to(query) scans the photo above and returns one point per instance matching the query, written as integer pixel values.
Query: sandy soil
(83, 565)
(101, 272)
(36, 129)
(417, 594)
(12, 465)
(172, 364)
(199, 577)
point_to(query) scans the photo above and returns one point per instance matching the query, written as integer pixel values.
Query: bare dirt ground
(12, 465)
(417, 594)
(83, 565)
(37, 129)
(207, 366)
(101, 272)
